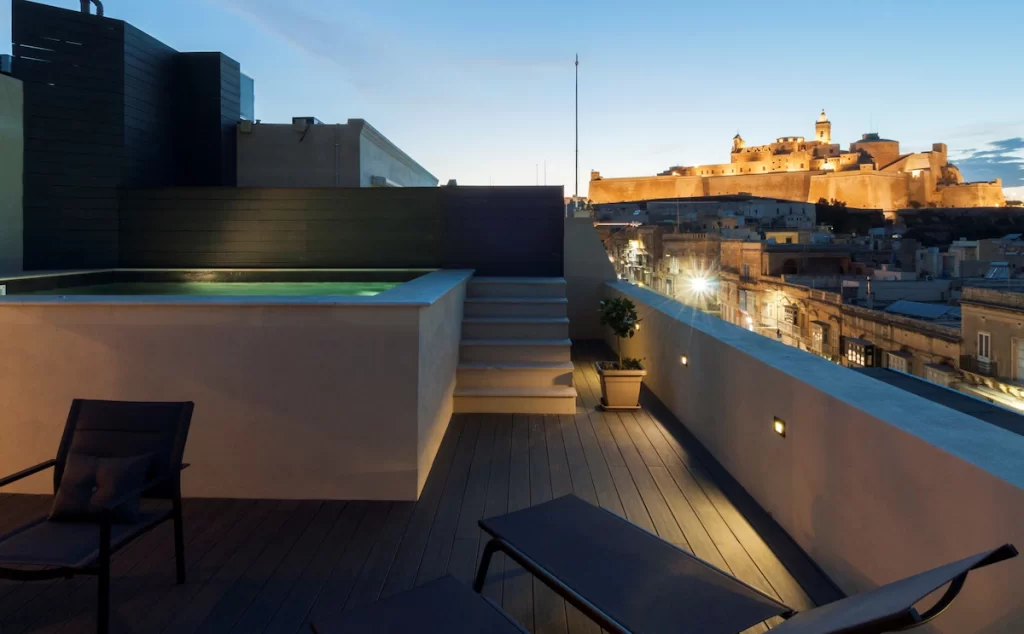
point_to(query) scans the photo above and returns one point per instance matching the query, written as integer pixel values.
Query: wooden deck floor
(270, 566)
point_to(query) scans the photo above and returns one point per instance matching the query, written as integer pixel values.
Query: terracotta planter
(620, 389)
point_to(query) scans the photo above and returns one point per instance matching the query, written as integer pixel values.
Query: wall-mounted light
(684, 360)
(779, 426)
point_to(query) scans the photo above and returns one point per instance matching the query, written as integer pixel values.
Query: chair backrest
(115, 429)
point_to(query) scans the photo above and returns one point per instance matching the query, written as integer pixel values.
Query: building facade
(872, 174)
(993, 344)
(129, 112)
(307, 153)
(12, 150)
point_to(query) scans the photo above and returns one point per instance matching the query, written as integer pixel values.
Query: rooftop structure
(370, 371)
(308, 153)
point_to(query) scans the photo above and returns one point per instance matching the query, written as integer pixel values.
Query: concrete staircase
(515, 352)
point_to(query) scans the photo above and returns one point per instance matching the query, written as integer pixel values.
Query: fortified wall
(872, 174)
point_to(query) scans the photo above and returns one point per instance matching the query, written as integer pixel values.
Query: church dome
(822, 118)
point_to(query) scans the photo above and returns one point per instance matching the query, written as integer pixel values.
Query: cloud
(361, 53)
(996, 159)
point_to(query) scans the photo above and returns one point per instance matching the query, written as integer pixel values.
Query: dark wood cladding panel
(72, 66)
(312, 228)
(148, 110)
(504, 231)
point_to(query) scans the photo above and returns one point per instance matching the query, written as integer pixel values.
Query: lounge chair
(111, 455)
(628, 580)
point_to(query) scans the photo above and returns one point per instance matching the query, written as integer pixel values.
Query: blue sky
(483, 91)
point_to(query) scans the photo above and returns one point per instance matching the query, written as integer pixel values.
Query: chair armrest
(27, 472)
(172, 473)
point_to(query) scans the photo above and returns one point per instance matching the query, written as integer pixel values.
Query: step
(516, 287)
(552, 400)
(514, 350)
(549, 307)
(515, 328)
(497, 375)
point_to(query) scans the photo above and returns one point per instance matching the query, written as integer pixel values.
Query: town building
(308, 153)
(992, 358)
(872, 174)
(709, 213)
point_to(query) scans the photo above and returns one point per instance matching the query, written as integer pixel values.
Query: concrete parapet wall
(874, 483)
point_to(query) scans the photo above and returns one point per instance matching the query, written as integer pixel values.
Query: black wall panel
(102, 102)
(73, 134)
(502, 231)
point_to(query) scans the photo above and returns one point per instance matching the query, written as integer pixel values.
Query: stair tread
(516, 320)
(545, 392)
(518, 365)
(518, 280)
(516, 300)
(516, 342)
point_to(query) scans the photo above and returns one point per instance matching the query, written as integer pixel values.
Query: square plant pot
(620, 389)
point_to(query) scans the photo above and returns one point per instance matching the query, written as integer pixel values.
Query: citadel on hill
(872, 174)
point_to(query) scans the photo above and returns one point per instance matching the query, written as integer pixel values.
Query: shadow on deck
(270, 566)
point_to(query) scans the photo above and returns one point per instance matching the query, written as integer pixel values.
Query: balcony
(274, 565)
(839, 504)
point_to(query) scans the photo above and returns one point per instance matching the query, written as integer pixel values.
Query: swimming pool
(210, 283)
(236, 289)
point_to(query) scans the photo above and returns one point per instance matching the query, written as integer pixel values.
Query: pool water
(255, 289)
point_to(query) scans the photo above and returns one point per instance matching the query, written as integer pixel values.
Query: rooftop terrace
(272, 565)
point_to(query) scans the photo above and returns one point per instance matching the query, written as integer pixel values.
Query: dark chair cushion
(90, 482)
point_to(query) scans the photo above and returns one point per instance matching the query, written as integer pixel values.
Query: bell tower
(738, 143)
(823, 129)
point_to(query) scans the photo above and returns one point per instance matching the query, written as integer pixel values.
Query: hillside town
(933, 293)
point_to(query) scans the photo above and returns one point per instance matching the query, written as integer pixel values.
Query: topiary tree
(619, 314)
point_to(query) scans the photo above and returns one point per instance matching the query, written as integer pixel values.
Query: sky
(482, 92)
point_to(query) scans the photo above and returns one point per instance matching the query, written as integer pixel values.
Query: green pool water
(256, 289)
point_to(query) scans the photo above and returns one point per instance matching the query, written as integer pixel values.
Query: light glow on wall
(779, 426)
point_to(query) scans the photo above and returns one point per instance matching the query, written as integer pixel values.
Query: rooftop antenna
(577, 193)
(545, 172)
(536, 174)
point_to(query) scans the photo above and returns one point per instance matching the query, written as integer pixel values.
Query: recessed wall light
(779, 426)
(684, 360)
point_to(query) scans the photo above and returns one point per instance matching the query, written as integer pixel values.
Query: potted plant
(620, 381)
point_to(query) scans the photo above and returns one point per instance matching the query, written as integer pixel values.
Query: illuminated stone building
(872, 174)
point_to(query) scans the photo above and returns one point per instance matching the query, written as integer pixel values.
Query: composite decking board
(410, 553)
(171, 604)
(236, 599)
(278, 586)
(269, 566)
(407, 561)
(496, 502)
(335, 591)
(548, 607)
(296, 606)
(466, 547)
(517, 591)
(367, 587)
(281, 521)
(442, 533)
(579, 471)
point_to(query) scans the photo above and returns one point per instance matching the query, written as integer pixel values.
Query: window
(898, 363)
(746, 270)
(984, 345)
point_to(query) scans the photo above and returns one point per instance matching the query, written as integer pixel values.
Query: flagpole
(577, 125)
